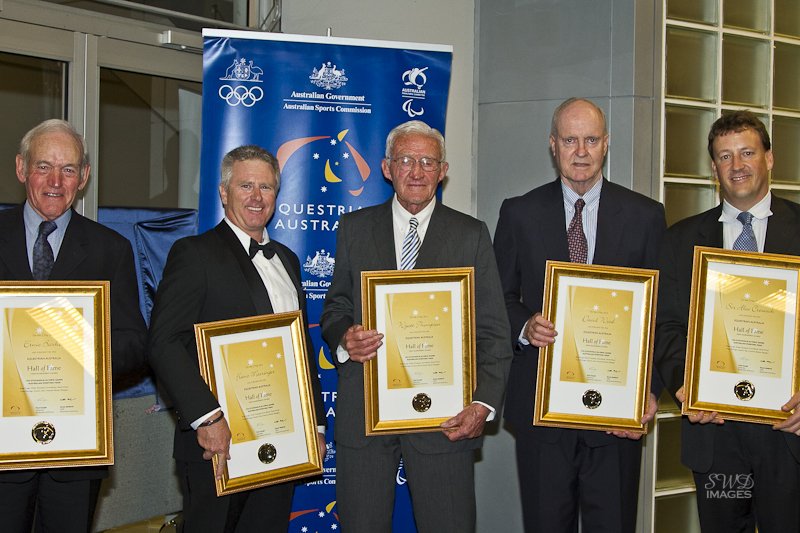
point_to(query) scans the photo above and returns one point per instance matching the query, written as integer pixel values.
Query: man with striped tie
(411, 230)
(764, 460)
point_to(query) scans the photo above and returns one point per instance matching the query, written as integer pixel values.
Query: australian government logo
(412, 92)
(729, 486)
(240, 74)
(327, 78)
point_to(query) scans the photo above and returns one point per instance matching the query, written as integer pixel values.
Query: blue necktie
(746, 241)
(411, 246)
(43, 260)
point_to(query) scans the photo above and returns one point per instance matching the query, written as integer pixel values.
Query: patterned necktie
(746, 241)
(43, 260)
(411, 246)
(578, 250)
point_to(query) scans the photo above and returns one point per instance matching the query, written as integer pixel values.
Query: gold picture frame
(267, 398)
(597, 374)
(741, 349)
(56, 374)
(408, 387)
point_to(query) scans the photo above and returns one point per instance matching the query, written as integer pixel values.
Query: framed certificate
(597, 373)
(424, 373)
(56, 374)
(257, 369)
(741, 351)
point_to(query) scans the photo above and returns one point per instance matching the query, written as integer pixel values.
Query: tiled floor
(154, 525)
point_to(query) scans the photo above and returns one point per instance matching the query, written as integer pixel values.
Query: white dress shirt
(732, 228)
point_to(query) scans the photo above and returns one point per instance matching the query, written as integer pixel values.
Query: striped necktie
(411, 246)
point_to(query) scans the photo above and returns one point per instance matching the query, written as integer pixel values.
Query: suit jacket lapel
(255, 284)
(781, 228)
(383, 235)
(72, 252)
(710, 229)
(434, 238)
(13, 252)
(610, 217)
(549, 215)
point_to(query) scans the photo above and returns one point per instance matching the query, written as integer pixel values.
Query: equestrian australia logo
(413, 80)
(328, 77)
(242, 71)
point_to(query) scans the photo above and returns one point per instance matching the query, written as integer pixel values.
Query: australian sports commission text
(328, 108)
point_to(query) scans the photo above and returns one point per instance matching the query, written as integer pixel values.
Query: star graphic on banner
(445, 309)
(346, 155)
(766, 282)
(250, 362)
(278, 356)
(626, 308)
(321, 514)
(304, 529)
(315, 156)
(336, 163)
(323, 189)
(39, 330)
(613, 294)
(333, 142)
(432, 297)
(415, 313)
(596, 307)
(747, 296)
(333, 526)
(264, 344)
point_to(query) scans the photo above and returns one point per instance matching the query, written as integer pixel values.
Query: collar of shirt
(244, 238)
(732, 228)
(401, 220)
(32, 221)
(588, 215)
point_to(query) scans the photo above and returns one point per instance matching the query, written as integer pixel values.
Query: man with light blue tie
(764, 460)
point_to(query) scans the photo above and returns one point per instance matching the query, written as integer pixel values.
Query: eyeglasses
(407, 163)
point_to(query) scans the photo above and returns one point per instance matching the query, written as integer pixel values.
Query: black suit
(209, 278)
(530, 231)
(91, 252)
(700, 444)
(365, 241)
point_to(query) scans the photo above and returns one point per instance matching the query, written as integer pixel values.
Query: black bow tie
(267, 249)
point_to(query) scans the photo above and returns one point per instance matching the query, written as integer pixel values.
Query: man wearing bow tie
(231, 271)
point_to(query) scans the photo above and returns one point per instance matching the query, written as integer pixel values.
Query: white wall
(450, 22)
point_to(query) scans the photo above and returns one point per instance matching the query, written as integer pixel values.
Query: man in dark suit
(562, 469)
(231, 271)
(438, 466)
(764, 461)
(44, 239)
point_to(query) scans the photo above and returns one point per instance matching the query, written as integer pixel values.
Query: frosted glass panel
(787, 18)
(785, 143)
(702, 11)
(683, 200)
(686, 141)
(670, 472)
(786, 93)
(745, 71)
(691, 60)
(677, 514)
(746, 15)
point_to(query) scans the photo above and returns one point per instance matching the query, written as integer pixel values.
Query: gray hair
(249, 152)
(51, 126)
(568, 102)
(418, 127)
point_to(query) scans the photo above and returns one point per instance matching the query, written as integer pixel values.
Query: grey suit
(701, 444)
(365, 241)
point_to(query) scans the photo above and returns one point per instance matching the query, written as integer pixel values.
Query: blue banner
(324, 107)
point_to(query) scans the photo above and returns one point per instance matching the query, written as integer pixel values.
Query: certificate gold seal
(421, 402)
(43, 432)
(592, 399)
(267, 453)
(744, 390)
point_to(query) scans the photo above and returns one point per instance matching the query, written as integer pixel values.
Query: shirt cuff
(342, 355)
(522, 341)
(491, 414)
(205, 417)
(321, 429)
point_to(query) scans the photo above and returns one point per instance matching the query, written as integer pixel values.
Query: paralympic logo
(241, 95)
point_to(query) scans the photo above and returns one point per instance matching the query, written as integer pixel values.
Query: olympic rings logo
(241, 95)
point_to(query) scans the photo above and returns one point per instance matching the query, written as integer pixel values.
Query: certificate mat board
(597, 374)
(56, 374)
(424, 372)
(741, 350)
(257, 369)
